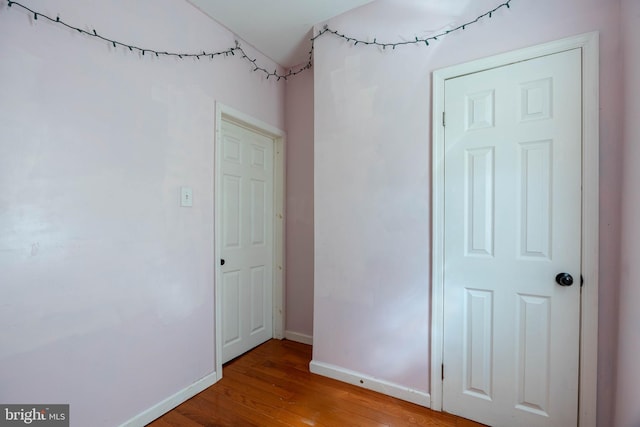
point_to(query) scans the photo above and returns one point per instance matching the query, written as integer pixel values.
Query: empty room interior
(436, 199)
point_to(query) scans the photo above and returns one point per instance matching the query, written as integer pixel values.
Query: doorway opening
(587, 45)
(249, 232)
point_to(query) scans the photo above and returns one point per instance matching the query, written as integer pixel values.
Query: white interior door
(247, 239)
(512, 194)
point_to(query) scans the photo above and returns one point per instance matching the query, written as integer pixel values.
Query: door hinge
(442, 372)
(581, 281)
(443, 121)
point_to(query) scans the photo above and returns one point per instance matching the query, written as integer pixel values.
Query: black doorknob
(564, 279)
(221, 261)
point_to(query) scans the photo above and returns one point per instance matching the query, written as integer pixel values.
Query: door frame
(588, 363)
(226, 113)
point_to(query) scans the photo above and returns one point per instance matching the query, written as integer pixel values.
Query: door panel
(247, 239)
(231, 211)
(258, 281)
(258, 214)
(535, 210)
(512, 223)
(231, 300)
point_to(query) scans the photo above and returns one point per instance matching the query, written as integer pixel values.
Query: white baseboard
(297, 337)
(171, 402)
(381, 386)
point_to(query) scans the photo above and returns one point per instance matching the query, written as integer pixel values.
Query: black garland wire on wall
(237, 49)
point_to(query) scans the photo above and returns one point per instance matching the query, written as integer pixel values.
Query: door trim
(588, 43)
(224, 112)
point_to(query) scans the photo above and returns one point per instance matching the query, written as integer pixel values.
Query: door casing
(588, 43)
(227, 113)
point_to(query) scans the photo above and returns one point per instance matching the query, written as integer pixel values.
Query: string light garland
(417, 40)
(238, 49)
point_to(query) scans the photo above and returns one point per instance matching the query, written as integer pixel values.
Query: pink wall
(372, 174)
(628, 385)
(106, 284)
(299, 280)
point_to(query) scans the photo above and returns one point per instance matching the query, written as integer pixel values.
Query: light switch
(186, 196)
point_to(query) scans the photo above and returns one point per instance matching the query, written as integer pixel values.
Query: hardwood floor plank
(352, 399)
(272, 386)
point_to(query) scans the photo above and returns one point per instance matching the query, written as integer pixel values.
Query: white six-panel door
(247, 239)
(512, 192)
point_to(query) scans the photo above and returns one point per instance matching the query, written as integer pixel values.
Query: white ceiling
(278, 28)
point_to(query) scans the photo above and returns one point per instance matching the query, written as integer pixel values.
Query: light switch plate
(186, 196)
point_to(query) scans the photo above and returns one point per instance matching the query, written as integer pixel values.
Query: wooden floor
(272, 386)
